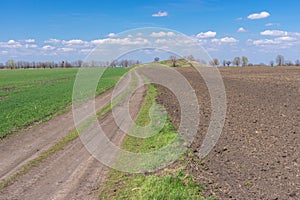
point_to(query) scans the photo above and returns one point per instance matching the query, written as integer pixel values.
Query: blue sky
(64, 30)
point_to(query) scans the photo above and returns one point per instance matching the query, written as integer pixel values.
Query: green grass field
(36, 95)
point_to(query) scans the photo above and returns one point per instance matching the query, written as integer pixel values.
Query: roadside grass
(33, 96)
(169, 184)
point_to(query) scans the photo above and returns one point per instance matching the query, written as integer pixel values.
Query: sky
(54, 30)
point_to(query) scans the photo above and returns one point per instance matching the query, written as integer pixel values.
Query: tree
(297, 63)
(11, 64)
(228, 63)
(272, 63)
(289, 63)
(224, 63)
(173, 60)
(244, 61)
(191, 58)
(124, 63)
(280, 60)
(214, 62)
(156, 59)
(237, 61)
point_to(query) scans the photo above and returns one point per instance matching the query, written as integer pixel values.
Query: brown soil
(72, 173)
(258, 153)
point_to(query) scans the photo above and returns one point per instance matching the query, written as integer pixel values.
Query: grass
(175, 185)
(36, 95)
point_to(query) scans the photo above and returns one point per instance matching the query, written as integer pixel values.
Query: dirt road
(27, 145)
(71, 173)
(258, 154)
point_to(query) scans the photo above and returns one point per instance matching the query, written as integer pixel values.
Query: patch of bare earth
(258, 153)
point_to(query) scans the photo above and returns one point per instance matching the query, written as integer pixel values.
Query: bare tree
(236, 61)
(280, 60)
(228, 63)
(289, 63)
(224, 63)
(244, 61)
(272, 63)
(124, 63)
(173, 60)
(11, 64)
(297, 63)
(214, 62)
(191, 58)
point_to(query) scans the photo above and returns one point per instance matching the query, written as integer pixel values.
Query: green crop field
(28, 96)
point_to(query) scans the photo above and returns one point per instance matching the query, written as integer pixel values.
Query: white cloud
(28, 46)
(85, 51)
(161, 41)
(263, 42)
(278, 42)
(48, 47)
(274, 33)
(225, 40)
(111, 35)
(241, 30)
(261, 15)
(4, 52)
(208, 34)
(73, 42)
(160, 14)
(30, 40)
(121, 41)
(10, 44)
(272, 24)
(52, 41)
(65, 49)
(285, 38)
(162, 34)
(239, 19)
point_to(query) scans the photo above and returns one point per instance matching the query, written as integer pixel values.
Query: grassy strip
(175, 185)
(67, 139)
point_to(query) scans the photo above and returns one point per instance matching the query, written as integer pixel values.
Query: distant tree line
(243, 61)
(237, 61)
(11, 64)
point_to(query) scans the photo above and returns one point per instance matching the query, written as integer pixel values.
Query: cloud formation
(241, 30)
(162, 34)
(272, 24)
(261, 15)
(30, 40)
(225, 40)
(208, 34)
(160, 14)
(111, 35)
(274, 33)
